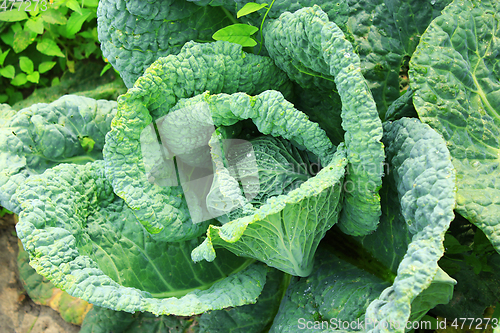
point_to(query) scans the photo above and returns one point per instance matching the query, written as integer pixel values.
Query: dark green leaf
(238, 34)
(453, 246)
(481, 243)
(8, 37)
(250, 8)
(89, 48)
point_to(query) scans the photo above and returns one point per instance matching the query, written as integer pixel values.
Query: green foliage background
(42, 40)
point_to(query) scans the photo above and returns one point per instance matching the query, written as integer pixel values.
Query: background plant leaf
(237, 33)
(249, 8)
(49, 47)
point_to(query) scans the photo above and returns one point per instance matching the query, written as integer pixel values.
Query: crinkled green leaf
(43, 135)
(43, 292)
(455, 75)
(325, 51)
(133, 34)
(252, 317)
(425, 180)
(352, 277)
(103, 320)
(385, 34)
(88, 242)
(216, 67)
(335, 292)
(51, 132)
(268, 234)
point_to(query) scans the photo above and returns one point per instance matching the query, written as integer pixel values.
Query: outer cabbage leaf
(455, 74)
(335, 292)
(324, 49)
(70, 129)
(252, 317)
(425, 181)
(217, 67)
(390, 276)
(385, 33)
(133, 33)
(42, 291)
(88, 242)
(102, 320)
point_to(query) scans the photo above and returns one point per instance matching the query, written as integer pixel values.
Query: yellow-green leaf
(74, 5)
(3, 56)
(8, 72)
(19, 80)
(53, 17)
(35, 24)
(71, 66)
(26, 65)
(46, 66)
(22, 39)
(238, 34)
(13, 16)
(250, 8)
(33, 77)
(49, 47)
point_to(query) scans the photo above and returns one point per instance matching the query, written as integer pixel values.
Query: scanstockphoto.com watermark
(367, 324)
(360, 324)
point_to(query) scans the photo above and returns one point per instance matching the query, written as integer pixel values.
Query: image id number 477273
(25, 5)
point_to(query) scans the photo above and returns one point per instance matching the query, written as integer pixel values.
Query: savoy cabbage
(298, 188)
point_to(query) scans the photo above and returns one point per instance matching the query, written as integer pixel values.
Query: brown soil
(18, 313)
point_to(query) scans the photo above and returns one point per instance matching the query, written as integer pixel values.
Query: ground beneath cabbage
(18, 313)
